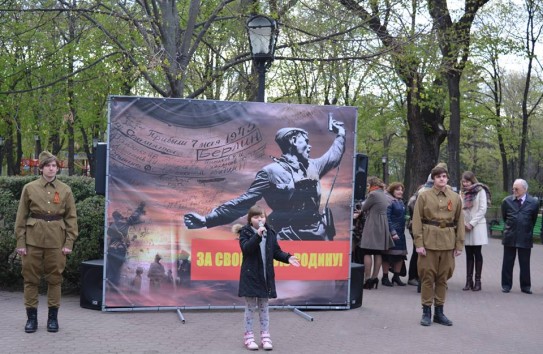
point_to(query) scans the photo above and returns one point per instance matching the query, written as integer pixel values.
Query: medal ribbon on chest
(56, 199)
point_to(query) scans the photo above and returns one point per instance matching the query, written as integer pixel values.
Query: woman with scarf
(476, 198)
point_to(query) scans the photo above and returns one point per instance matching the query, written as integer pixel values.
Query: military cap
(283, 135)
(46, 157)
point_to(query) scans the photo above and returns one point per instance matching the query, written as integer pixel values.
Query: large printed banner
(182, 172)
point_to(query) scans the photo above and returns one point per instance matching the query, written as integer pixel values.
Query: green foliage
(82, 187)
(89, 245)
(327, 53)
(9, 267)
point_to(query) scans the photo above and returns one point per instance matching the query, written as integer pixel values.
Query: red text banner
(221, 260)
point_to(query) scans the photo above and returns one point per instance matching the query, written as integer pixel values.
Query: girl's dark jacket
(251, 281)
(519, 221)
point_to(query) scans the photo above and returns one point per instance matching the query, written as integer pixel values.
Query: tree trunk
(12, 165)
(503, 155)
(425, 125)
(454, 42)
(453, 136)
(425, 135)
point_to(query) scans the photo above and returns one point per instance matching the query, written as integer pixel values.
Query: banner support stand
(302, 314)
(180, 316)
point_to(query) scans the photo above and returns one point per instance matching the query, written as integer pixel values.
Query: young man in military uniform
(46, 228)
(438, 231)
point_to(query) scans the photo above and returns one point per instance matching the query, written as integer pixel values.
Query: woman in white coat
(476, 197)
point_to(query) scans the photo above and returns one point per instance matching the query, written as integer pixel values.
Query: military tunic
(44, 239)
(438, 226)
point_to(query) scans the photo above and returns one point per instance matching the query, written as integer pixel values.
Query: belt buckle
(442, 224)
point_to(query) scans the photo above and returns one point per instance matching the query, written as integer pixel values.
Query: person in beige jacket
(476, 198)
(46, 228)
(438, 232)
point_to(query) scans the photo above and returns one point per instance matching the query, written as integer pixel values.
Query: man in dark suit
(519, 212)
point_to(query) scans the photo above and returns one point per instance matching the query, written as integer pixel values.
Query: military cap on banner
(283, 134)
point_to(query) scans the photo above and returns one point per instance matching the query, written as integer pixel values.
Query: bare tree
(532, 34)
(454, 41)
(425, 118)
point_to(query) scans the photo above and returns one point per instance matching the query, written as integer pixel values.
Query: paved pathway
(388, 322)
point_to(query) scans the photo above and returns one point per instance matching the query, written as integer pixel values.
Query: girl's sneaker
(266, 341)
(249, 341)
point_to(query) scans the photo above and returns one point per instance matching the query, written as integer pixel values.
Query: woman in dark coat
(376, 236)
(396, 221)
(259, 247)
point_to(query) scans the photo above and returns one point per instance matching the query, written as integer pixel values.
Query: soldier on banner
(156, 274)
(118, 241)
(291, 187)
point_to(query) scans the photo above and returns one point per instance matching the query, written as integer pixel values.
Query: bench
(498, 226)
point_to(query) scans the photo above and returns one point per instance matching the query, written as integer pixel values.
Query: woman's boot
(396, 279)
(385, 281)
(469, 277)
(478, 270)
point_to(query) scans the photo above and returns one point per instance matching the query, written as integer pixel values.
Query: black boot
(52, 321)
(385, 281)
(396, 279)
(439, 316)
(478, 270)
(469, 275)
(426, 316)
(32, 321)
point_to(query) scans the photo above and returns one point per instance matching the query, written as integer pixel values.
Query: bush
(89, 245)
(9, 266)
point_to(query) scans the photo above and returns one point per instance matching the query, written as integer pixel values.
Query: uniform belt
(442, 224)
(46, 217)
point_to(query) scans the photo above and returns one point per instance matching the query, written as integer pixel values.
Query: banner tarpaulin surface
(182, 172)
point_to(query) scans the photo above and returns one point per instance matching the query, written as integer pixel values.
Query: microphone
(264, 233)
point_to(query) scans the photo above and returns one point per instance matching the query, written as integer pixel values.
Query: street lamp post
(37, 151)
(262, 32)
(1, 153)
(93, 166)
(384, 161)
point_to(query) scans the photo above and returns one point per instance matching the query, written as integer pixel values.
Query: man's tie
(519, 202)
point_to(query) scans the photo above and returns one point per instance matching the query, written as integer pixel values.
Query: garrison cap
(283, 135)
(46, 157)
